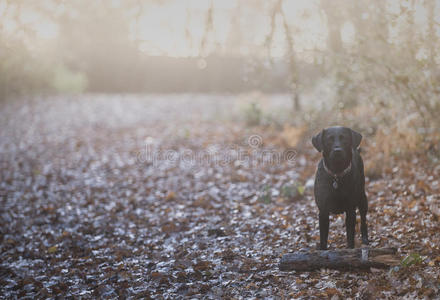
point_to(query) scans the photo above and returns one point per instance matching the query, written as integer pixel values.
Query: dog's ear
(356, 139)
(317, 141)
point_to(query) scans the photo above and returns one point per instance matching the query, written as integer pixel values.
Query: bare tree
(291, 55)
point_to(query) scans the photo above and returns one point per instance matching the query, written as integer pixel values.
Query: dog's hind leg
(363, 208)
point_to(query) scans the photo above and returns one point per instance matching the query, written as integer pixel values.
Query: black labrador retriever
(340, 181)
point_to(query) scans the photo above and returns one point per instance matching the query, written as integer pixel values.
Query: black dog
(340, 181)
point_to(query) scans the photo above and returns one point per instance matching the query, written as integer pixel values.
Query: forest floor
(174, 197)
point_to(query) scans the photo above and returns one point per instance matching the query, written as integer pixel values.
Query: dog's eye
(331, 139)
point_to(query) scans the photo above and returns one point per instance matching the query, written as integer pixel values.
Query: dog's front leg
(363, 212)
(364, 229)
(323, 229)
(350, 224)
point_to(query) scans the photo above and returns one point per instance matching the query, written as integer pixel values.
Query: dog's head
(336, 144)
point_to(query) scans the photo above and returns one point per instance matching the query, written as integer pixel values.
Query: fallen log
(342, 259)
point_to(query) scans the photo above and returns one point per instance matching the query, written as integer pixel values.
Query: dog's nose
(337, 150)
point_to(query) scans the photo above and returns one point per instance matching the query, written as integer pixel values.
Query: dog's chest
(342, 197)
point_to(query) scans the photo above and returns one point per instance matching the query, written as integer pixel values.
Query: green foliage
(288, 191)
(253, 114)
(20, 71)
(411, 259)
(265, 196)
(292, 191)
(68, 81)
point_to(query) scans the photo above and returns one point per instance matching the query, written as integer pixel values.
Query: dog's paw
(318, 247)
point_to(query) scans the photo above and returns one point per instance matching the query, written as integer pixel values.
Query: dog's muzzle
(338, 154)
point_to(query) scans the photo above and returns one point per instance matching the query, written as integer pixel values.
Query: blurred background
(93, 92)
(333, 60)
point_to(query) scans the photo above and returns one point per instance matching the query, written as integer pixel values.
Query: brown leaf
(170, 196)
(202, 265)
(52, 249)
(387, 259)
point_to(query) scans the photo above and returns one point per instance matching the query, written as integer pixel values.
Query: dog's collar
(336, 176)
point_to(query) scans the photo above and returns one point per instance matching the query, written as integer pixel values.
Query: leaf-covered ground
(173, 197)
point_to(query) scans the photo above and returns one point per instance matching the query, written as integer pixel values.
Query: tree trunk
(296, 102)
(432, 36)
(345, 259)
(332, 10)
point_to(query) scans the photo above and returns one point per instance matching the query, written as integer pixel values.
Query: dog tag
(335, 184)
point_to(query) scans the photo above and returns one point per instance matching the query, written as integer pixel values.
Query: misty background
(90, 88)
(372, 65)
(218, 46)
